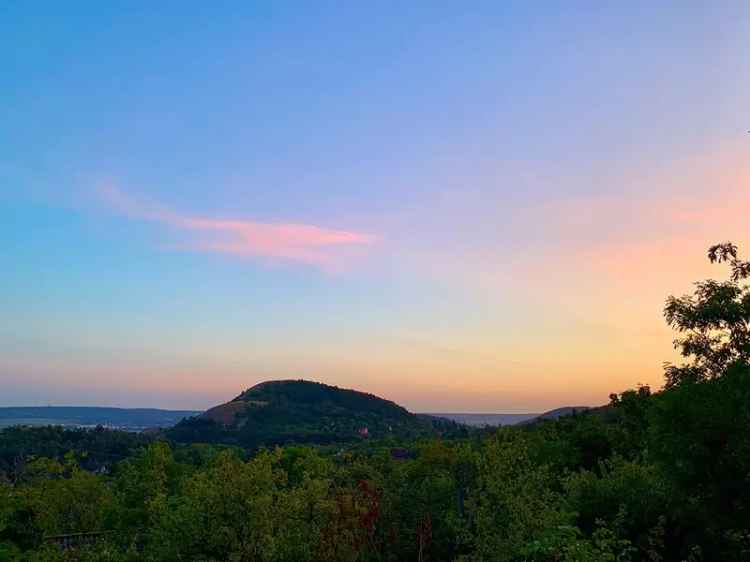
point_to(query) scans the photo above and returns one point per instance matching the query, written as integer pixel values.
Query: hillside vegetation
(299, 411)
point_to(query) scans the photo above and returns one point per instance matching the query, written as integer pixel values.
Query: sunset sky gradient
(474, 207)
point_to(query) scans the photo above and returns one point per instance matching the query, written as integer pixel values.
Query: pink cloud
(304, 243)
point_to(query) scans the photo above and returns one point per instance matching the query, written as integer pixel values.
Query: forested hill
(284, 411)
(323, 398)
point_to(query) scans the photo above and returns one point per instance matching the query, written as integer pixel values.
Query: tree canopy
(713, 323)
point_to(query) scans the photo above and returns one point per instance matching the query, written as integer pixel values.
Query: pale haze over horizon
(461, 207)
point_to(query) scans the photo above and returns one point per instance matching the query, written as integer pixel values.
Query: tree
(626, 495)
(242, 511)
(628, 415)
(714, 322)
(698, 436)
(514, 502)
(141, 485)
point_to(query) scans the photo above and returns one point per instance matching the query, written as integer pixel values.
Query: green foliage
(628, 421)
(574, 442)
(9, 548)
(628, 495)
(243, 510)
(700, 439)
(514, 499)
(65, 498)
(142, 482)
(714, 322)
(567, 543)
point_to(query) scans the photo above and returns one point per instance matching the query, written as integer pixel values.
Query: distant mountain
(487, 420)
(560, 412)
(495, 420)
(286, 411)
(131, 419)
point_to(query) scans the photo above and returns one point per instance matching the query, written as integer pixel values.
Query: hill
(560, 412)
(496, 420)
(486, 420)
(299, 411)
(129, 419)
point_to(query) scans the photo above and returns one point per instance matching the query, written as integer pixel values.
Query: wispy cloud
(314, 245)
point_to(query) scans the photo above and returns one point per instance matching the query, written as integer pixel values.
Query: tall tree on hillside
(713, 322)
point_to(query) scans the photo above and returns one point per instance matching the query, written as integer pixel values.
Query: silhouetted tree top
(714, 322)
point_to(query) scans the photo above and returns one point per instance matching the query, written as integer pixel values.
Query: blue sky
(473, 157)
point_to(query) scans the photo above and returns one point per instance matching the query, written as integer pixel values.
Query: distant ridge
(495, 420)
(558, 413)
(132, 419)
(564, 411)
(485, 420)
(263, 404)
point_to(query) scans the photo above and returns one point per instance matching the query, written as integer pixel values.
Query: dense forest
(652, 476)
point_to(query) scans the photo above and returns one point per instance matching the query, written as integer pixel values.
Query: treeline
(94, 449)
(651, 477)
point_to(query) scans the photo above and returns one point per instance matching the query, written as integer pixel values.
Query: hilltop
(299, 411)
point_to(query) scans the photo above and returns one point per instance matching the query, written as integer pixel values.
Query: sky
(460, 206)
